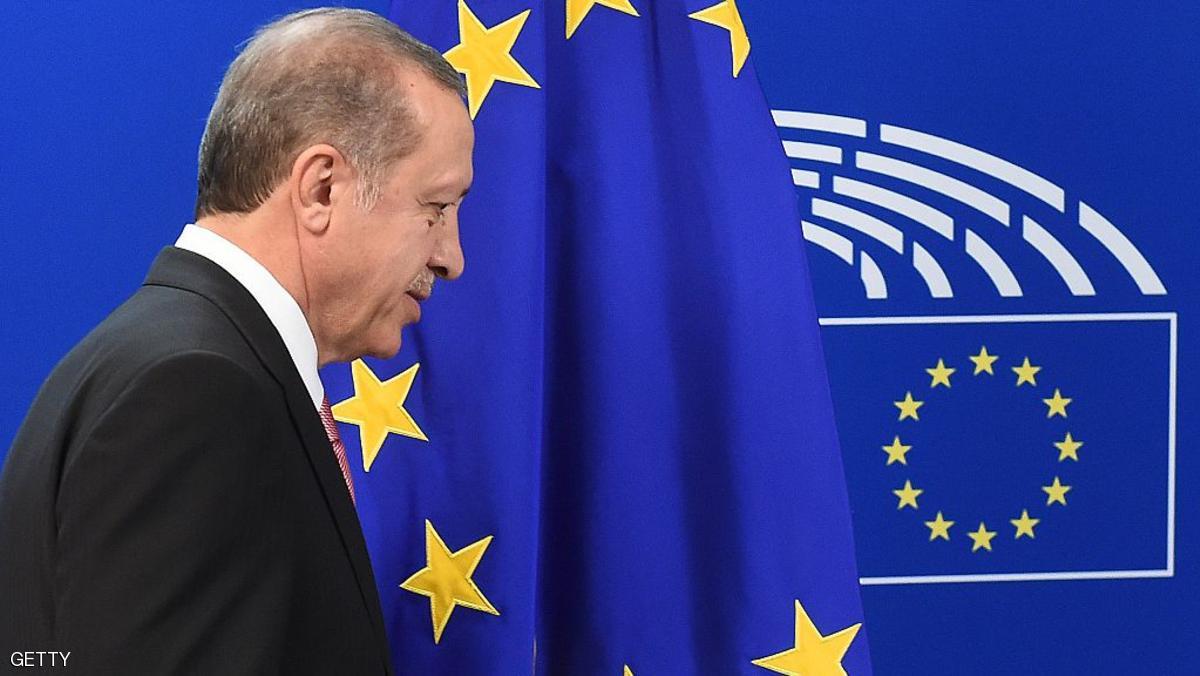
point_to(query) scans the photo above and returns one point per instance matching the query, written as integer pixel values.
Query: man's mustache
(422, 286)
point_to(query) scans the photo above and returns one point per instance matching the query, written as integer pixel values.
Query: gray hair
(318, 76)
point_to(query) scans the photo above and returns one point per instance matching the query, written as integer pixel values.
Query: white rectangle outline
(1172, 319)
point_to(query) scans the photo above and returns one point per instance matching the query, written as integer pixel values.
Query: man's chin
(385, 350)
(389, 352)
(384, 343)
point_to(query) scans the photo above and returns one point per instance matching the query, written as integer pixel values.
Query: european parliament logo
(987, 445)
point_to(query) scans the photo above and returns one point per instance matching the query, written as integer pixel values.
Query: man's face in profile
(391, 254)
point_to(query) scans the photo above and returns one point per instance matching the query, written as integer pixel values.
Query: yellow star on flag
(627, 671)
(983, 361)
(941, 374)
(896, 452)
(908, 495)
(378, 408)
(1024, 524)
(908, 407)
(812, 654)
(939, 528)
(1057, 404)
(725, 14)
(577, 11)
(1056, 492)
(1068, 448)
(484, 55)
(982, 538)
(1026, 372)
(446, 579)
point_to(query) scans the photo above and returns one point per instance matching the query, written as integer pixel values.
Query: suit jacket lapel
(182, 269)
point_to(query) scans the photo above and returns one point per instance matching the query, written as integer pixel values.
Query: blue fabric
(627, 387)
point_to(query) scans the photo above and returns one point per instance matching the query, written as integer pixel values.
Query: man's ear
(314, 183)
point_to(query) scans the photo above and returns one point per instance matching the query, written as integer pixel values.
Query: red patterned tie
(339, 449)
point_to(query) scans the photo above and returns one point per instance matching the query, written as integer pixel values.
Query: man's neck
(267, 239)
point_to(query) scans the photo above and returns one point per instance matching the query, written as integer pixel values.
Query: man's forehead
(415, 82)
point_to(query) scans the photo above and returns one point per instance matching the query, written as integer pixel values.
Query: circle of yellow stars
(484, 53)
(983, 364)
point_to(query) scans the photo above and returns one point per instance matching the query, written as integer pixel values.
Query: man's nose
(447, 261)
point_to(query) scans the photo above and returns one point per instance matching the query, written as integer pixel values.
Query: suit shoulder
(158, 327)
(160, 321)
(152, 326)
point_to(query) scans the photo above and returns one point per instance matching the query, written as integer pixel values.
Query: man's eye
(441, 212)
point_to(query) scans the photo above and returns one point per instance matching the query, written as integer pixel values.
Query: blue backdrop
(1018, 176)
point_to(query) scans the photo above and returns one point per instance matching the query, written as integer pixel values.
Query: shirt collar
(276, 302)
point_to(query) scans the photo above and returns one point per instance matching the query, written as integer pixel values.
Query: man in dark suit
(177, 500)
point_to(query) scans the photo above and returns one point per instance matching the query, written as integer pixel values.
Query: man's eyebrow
(456, 199)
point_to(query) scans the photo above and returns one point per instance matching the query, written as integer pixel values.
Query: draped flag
(610, 448)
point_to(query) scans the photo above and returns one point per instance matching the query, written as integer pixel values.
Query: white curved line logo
(910, 186)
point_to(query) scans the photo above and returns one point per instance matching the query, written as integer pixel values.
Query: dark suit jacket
(171, 503)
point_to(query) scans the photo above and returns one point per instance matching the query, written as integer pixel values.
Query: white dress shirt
(276, 302)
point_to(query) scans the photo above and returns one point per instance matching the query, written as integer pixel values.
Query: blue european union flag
(1009, 447)
(610, 447)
